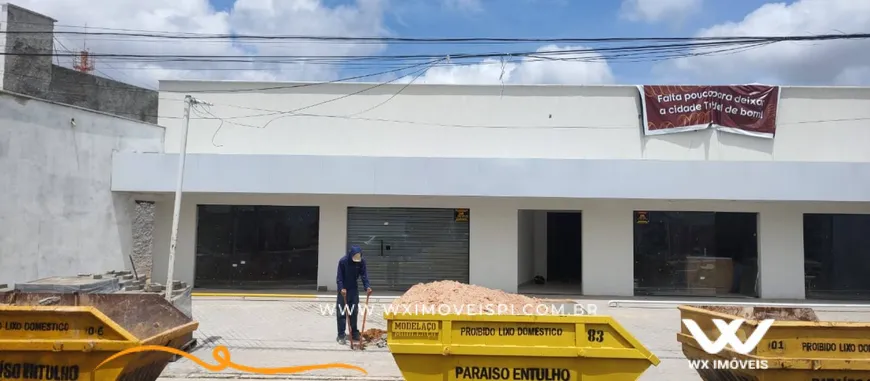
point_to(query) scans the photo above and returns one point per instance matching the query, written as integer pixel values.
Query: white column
(185, 253)
(332, 243)
(493, 247)
(160, 240)
(781, 253)
(608, 250)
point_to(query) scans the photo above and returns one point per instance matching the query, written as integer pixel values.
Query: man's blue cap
(355, 253)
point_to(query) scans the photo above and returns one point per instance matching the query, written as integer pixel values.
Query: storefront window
(695, 253)
(837, 256)
(257, 246)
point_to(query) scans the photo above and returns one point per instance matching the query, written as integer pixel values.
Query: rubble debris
(375, 336)
(456, 295)
(761, 313)
(371, 336)
(49, 301)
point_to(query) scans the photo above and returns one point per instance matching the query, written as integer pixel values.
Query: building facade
(531, 188)
(53, 117)
(58, 214)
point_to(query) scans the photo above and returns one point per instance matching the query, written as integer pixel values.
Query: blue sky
(539, 18)
(787, 63)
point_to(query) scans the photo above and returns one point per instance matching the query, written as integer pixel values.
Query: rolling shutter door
(406, 246)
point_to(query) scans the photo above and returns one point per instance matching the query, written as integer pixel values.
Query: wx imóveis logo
(728, 335)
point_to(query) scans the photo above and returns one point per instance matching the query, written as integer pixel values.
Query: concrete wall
(497, 251)
(101, 94)
(143, 237)
(562, 122)
(22, 71)
(483, 177)
(526, 246)
(58, 214)
(37, 76)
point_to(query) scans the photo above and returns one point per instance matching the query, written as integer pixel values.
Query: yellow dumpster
(64, 337)
(438, 347)
(795, 347)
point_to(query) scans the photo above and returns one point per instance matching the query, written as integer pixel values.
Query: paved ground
(287, 332)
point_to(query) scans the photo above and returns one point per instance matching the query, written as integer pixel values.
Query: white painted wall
(597, 122)
(58, 215)
(526, 246)
(495, 245)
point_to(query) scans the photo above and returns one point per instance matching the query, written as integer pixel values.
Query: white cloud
(267, 17)
(525, 71)
(653, 11)
(810, 63)
(264, 17)
(464, 5)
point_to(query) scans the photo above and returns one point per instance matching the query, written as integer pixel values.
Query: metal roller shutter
(406, 246)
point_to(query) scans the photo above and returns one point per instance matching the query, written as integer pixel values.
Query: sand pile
(761, 313)
(456, 295)
(372, 336)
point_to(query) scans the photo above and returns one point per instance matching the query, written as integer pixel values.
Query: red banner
(746, 109)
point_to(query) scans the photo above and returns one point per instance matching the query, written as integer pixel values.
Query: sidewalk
(282, 332)
(278, 333)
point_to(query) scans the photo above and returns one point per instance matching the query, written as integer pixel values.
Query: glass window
(695, 253)
(214, 244)
(837, 256)
(215, 226)
(257, 246)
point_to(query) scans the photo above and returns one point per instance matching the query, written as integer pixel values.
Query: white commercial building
(498, 185)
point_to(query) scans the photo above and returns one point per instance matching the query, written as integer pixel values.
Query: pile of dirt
(761, 313)
(455, 295)
(374, 336)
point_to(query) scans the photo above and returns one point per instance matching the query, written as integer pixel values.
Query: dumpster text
(416, 330)
(34, 326)
(835, 347)
(510, 331)
(34, 371)
(498, 373)
(732, 364)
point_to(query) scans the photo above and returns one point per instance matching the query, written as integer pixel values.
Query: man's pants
(352, 306)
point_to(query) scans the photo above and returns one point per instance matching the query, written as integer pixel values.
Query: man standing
(351, 267)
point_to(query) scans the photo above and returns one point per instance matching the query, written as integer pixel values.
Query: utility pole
(176, 212)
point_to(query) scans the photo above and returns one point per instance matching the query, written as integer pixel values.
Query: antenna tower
(84, 62)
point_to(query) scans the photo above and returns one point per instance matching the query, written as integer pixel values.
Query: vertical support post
(176, 211)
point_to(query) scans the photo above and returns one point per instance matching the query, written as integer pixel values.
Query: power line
(270, 112)
(236, 90)
(559, 55)
(636, 53)
(240, 37)
(403, 57)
